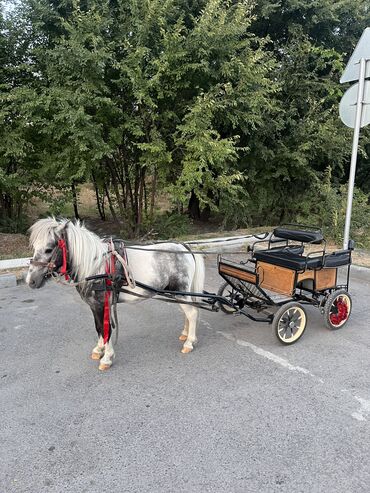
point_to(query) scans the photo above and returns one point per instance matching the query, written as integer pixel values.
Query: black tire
(289, 322)
(228, 292)
(337, 309)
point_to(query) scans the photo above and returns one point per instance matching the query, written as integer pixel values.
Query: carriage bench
(289, 260)
(283, 272)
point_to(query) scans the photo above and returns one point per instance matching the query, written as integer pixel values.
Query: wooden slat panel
(275, 278)
(326, 278)
(237, 273)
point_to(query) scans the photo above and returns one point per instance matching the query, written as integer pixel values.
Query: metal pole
(356, 135)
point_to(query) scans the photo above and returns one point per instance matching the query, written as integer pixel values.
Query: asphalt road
(242, 413)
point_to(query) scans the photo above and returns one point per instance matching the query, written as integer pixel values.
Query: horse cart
(280, 279)
(277, 279)
(281, 273)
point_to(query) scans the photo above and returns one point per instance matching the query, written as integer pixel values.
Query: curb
(14, 263)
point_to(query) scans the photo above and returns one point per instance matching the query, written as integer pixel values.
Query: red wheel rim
(339, 311)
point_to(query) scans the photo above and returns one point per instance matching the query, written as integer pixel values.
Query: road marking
(271, 356)
(363, 411)
(360, 415)
(23, 309)
(265, 354)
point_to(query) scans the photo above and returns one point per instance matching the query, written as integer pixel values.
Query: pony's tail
(199, 275)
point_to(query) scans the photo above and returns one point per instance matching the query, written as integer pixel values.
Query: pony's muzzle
(32, 283)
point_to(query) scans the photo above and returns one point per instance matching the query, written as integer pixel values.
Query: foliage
(231, 107)
(329, 211)
(16, 225)
(18, 135)
(167, 225)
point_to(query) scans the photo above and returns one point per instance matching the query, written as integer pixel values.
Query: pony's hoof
(183, 338)
(104, 366)
(96, 356)
(186, 350)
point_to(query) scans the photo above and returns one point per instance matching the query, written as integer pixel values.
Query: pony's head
(62, 245)
(47, 254)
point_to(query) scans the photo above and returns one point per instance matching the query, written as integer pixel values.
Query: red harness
(109, 270)
(63, 270)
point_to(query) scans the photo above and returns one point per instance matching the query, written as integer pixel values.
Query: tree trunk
(153, 193)
(128, 186)
(115, 188)
(6, 210)
(193, 207)
(100, 205)
(75, 202)
(139, 215)
(111, 208)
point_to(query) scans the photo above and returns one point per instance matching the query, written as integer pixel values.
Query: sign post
(358, 69)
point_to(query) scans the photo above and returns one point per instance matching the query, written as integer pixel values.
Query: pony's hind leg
(185, 330)
(191, 314)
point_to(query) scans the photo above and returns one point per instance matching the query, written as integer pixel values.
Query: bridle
(52, 265)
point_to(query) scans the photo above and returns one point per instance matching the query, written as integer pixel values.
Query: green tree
(19, 137)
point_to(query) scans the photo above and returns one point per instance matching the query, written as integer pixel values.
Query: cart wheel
(228, 292)
(289, 322)
(337, 309)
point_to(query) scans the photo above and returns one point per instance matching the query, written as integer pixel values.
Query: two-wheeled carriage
(277, 279)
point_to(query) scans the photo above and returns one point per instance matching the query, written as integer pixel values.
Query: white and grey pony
(86, 254)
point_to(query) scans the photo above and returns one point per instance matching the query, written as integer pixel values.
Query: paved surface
(240, 414)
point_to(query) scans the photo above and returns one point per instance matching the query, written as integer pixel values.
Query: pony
(65, 248)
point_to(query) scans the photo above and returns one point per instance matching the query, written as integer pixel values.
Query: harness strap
(123, 261)
(63, 270)
(109, 269)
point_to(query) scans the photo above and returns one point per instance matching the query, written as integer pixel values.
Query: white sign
(362, 50)
(348, 106)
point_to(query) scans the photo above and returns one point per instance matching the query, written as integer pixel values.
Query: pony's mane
(42, 232)
(85, 249)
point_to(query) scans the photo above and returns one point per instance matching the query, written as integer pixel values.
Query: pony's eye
(48, 250)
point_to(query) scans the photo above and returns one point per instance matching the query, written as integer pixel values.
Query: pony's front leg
(107, 360)
(191, 314)
(97, 309)
(102, 352)
(98, 351)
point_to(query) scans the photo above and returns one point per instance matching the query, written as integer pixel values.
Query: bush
(166, 225)
(330, 212)
(16, 225)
